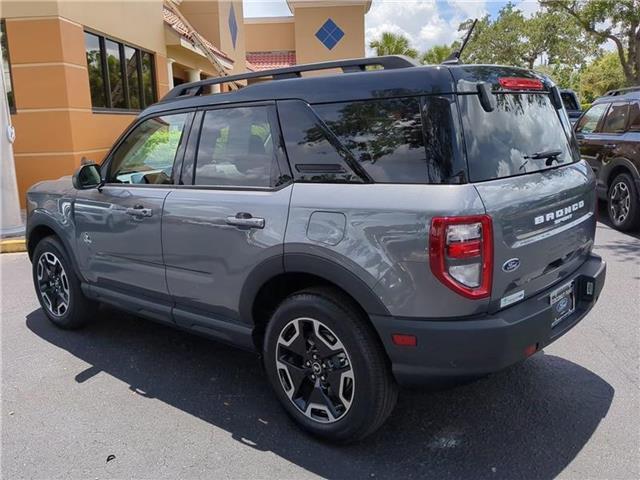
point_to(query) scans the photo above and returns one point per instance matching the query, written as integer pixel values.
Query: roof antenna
(454, 58)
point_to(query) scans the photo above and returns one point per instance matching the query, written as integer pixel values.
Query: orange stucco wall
(270, 36)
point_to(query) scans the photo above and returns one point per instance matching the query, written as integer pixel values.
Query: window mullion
(125, 77)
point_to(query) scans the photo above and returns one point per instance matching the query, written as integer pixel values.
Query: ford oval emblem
(511, 265)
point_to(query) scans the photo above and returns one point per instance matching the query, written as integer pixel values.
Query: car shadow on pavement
(527, 422)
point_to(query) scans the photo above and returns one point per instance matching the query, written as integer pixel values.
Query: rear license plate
(563, 302)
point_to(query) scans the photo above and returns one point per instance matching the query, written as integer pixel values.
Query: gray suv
(388, 225)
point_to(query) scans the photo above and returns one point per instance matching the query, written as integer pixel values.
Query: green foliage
(438, 53)
(604, 74)
(604, 20)
(393, 44)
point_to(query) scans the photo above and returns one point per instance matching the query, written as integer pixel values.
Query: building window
(120, 76)
(6, 67)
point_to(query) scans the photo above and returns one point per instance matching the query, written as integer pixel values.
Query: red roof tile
(270, 60)
(188, 32)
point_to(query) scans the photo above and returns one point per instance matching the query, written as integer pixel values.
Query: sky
(424, 22)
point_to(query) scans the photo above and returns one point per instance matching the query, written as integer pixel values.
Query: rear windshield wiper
(548, 155)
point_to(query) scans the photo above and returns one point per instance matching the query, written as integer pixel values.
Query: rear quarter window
(398, 140)
(616, 119)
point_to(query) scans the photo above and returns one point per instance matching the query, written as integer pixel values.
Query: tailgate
(544, 227)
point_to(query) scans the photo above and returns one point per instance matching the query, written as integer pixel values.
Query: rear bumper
(480, 345)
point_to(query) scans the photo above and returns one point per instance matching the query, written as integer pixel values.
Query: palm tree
(437, 54)
(393, 44)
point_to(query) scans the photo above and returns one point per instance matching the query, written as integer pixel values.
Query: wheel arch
(621, 165)
(274, 280)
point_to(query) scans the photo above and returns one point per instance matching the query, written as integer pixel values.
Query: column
(194, 74)
(170, 62)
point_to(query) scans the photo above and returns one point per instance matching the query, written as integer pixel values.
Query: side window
(590, 119)
(398, 140)
(634, 115)
(236, 148)
(147, 154)
(616, 119)
(569, 101)
(314, 155)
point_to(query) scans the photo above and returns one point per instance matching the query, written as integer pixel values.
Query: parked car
(362, 230)
(609, 138)
(571, 104)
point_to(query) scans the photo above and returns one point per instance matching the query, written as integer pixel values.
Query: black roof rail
(622, 91)
(388, 62)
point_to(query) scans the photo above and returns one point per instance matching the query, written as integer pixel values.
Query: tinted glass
(502, 143)
(116, 83)
(634, 114)
(147, 79)
(147, 154)
(589, 121)
(388, 138)
(236, 148)
(6, 69)
(314, 155)
(569, 101)
(616, 119)
(131, 66)
(94, 67)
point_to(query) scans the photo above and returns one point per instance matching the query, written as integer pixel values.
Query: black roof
(399, 77)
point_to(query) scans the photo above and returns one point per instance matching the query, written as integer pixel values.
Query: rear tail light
(461, 254)
(520, 83)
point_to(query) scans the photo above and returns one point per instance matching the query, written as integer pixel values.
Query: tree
(438, 53)
(615, 20)
(512, 39)
(603, 74)
(393, 44)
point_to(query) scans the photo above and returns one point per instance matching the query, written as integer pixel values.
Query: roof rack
(622, 91)
(388, 62)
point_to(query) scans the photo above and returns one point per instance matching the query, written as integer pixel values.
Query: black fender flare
(622, 162)
(326, 269)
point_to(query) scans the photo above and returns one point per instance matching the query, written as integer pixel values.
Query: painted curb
(13, 245)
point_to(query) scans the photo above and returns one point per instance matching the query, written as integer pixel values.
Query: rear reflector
(403, 340)
(530, 350)
(520, 83)
(461, 254)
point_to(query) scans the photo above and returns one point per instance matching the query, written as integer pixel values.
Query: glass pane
(147, 79)
(131, 64)
(6, 70)
(589, 121)
(313, 155)
(235, 148)
(569, 101)
(148, 153)
(502, 143)
(634, 124)
(115, 74)
(94, 66)
(616, 120)
(388, 139)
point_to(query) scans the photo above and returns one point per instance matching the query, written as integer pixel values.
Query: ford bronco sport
(360, 230)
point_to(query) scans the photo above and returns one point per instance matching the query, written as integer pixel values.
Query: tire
(351, 369)
(55, 281)
(623, 203)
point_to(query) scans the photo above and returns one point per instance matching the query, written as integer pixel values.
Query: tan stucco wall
(211, 19)
(269, 36)
(309, 19)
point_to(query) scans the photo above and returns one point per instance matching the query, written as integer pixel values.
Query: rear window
(504, 142)
(398, 140)
(569, 101)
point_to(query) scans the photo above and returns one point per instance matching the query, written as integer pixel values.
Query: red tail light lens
(520, 83)
(461, 254)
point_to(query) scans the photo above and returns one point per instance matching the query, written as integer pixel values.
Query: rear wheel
(58, 287)
(623, 203)
(327, 366)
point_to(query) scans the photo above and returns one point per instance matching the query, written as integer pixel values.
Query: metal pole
(10, 219)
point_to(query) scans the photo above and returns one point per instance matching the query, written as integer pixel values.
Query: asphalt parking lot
(164, 404)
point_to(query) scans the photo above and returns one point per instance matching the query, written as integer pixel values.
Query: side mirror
(87, 176)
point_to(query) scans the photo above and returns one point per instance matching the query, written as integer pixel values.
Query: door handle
(139, 211)
(243, 219)
(610, 145)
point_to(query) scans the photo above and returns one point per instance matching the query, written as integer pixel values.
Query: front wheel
(623, 203)
(58, 287)
(327, 366)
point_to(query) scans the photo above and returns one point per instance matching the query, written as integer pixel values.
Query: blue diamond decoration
(233, 26)
(329, 34)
